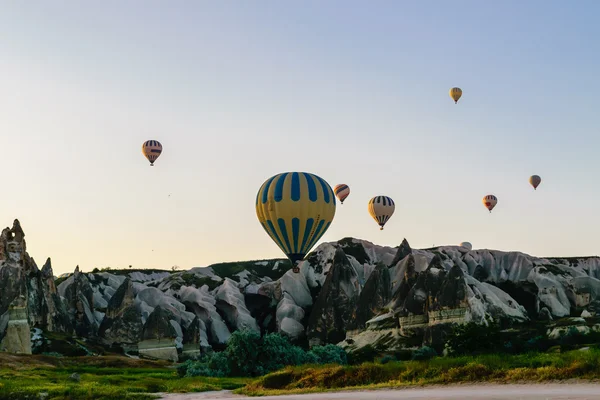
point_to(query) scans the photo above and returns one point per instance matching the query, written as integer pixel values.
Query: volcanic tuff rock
(351, 292)
(337, 301)
(22, 282)
(80, 303)
(122, 322)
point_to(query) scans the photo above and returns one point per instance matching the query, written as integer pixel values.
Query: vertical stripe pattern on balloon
(381, 208)
(295, 209)
(151, 149)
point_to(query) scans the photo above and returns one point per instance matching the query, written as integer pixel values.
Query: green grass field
(536, 367)
(116, 377)
(101, 378)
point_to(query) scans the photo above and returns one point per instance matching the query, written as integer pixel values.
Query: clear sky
(355, 92)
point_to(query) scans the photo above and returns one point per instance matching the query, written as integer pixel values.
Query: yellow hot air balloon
(455, 93)
(151, 149)
(381, 209)
(295, 209)
(535, 180)
(341, 191)
(490, 202)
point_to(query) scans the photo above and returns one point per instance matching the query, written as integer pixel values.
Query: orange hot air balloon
(490, 201)
(535, 180)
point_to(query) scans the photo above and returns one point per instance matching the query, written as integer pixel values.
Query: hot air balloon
(295, 209)
(151, 150)
(341, 191)
(381, 209)
(466, 245)
(490, 201)
(535, 180)
(455, 93)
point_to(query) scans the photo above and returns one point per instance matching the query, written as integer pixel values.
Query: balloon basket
(296, 270)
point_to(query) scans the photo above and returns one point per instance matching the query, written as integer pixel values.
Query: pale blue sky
(355, 92)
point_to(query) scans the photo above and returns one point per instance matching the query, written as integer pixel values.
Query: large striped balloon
(295, 209)
(151, 150)
(341, 191)
(381, 209)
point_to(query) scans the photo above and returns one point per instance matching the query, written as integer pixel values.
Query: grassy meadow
(534, 367)
(114, 377)
(26, 377)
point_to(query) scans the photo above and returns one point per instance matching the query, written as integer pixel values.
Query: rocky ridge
(350, 292)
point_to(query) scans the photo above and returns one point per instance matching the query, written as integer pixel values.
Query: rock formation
(26, 293)
(80, 303)
(122, 322)
(337, 301)
(351, 292)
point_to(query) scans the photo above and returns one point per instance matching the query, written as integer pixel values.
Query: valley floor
(490, 377)
(569, 391)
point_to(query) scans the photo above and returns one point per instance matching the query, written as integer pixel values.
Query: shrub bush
(473, 338)
(242, 353)
(424, 353)
(247, 354)
(277, 352)
(387, 358)
(328, 354)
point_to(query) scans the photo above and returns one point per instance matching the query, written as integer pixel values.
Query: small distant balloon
(490, 202)
(467, 245)
(455, 94)
(151, 149)
(341, 191)
(535, 180)
(381, 209)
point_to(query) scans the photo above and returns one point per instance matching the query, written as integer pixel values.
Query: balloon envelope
(455, 94)
(295, 209)
(341, 191)
(381, 209)
(151, 149)
(490, 201)
(466, 245)
(535, 180)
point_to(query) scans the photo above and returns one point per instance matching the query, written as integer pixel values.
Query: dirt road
(483, 392)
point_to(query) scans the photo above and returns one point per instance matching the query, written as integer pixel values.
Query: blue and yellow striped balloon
(295, 209)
